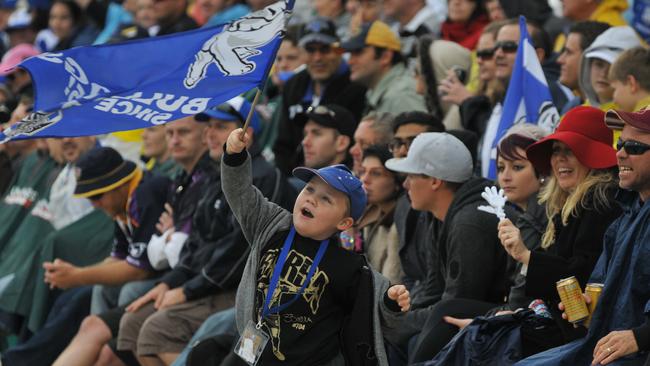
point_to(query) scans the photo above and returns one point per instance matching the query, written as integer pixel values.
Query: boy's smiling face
(320, 210)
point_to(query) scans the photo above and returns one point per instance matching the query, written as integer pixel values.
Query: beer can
(570, 293)
(593, 290)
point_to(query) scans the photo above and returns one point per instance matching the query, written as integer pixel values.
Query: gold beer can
(571, 296)
(593, 290)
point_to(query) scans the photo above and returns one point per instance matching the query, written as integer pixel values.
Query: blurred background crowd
(121, 249)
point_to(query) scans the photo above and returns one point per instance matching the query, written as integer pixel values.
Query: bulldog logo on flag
(240, 41)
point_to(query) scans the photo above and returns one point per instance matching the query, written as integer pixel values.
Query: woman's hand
(511, 240)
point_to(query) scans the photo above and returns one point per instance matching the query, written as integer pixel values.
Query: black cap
(102, 170)
(333, 116)
(319, 30)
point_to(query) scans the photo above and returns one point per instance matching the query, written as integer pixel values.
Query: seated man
(620, 325)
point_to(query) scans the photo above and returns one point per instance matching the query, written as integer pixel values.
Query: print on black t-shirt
(293, 276)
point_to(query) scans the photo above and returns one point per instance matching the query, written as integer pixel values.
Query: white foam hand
(496, 200)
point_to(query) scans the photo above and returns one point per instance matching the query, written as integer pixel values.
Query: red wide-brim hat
(583, 130)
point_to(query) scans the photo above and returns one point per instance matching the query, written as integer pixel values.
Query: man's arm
(62, 274)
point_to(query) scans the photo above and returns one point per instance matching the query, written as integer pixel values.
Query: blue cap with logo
(341, 179)
(236, 109)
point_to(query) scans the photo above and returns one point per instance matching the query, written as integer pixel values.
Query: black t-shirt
(308, 331)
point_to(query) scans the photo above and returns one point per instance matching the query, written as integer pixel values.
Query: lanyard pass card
(253, 341)
(251, 344)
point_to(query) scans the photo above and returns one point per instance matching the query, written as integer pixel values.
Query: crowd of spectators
(122, 249)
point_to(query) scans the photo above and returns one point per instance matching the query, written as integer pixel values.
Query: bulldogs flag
(528, 99)
(101, 89)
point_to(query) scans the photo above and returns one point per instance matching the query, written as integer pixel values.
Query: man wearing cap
(620, 325)
(327, 136)
(376, 62)
(326, 80)
(134, 201)
(470, 261)
(415, 228)
(19, 27)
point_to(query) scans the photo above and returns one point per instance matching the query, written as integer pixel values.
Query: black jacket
(416, 232)
(472, 260)
(186, 193)
(214, 255)
(339, 90)
(576, 249)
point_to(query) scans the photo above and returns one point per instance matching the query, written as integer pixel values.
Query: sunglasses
(632, 147)
(397, 143)
(485, 54)
(506, 46)
(321, 48)
(322, 110)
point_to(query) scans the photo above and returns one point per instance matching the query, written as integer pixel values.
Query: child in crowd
(630, 78)
(302, 299)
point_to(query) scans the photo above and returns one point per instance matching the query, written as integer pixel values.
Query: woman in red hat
(579, 197)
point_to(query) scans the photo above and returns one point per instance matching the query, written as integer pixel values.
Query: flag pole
(250, 113)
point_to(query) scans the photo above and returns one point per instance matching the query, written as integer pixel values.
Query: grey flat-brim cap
(436, 154)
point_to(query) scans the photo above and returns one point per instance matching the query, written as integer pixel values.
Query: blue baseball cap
(341, 179)
(236, 109)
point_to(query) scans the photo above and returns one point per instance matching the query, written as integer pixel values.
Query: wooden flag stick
(250, 113)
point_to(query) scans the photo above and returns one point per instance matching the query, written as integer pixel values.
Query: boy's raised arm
(252, 210)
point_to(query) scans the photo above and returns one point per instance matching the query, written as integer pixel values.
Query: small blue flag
(528, 100)
(100, 89)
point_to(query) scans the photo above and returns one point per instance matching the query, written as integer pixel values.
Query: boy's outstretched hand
(237, 141)
(400, 294)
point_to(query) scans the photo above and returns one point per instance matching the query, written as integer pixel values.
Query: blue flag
(528, 99)
(101, 89)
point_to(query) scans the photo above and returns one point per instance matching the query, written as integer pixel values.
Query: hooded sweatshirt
(472, 260)
(608, 46)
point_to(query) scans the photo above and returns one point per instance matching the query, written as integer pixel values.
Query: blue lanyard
(277, 271)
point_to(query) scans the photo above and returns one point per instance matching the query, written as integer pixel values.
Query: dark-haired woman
(67, 22)
(375, 235)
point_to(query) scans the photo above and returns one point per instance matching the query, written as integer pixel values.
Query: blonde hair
(593, 191)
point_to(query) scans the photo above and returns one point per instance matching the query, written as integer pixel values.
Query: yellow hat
(377, 34)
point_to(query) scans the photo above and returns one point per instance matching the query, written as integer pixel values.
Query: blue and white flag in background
(101, 89)
(528, 99)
